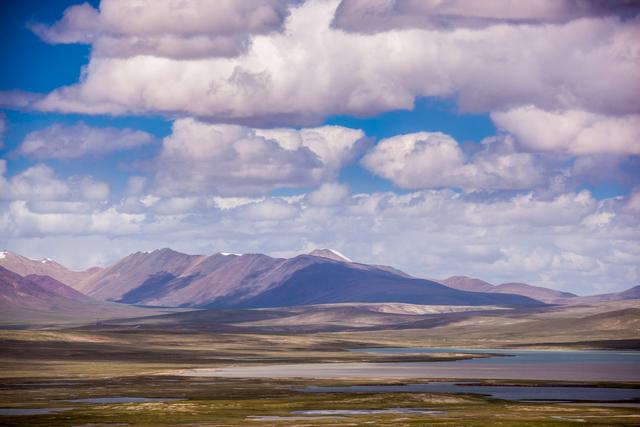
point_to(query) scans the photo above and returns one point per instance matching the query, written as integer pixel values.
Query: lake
(542, 365)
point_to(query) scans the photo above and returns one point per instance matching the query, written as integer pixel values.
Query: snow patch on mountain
(330, 254)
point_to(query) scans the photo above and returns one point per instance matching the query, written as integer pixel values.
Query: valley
(74, 359)
(51, 368)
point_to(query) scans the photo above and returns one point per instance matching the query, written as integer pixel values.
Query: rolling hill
(38, 299)
(44, 267)
(549, 296)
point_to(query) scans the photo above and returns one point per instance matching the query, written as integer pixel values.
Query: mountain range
(546, 295)
(36, 299)
(166, 278)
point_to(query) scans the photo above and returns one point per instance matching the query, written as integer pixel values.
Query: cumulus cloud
(20, 219)
(268, 210)
(40, 182)
(434, 159)
(385, 15)
(328, 194)
(69, 142)
(136, 184)
(166, 28)
(310, 71)
(572, 131)
(226, 203)
(232, 160)
(571, 241)
(561, 79)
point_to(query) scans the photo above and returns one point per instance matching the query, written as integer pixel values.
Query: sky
(494, 139)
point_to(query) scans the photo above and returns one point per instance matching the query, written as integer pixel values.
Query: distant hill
(540, 293)
(470, 284)
(168, 278)
(549, 296)
(57, 288)
(44, 267)
(35, 292)
(42, 299)
(631, 293)
(328, 283)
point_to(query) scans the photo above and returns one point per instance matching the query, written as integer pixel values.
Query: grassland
(45, 368)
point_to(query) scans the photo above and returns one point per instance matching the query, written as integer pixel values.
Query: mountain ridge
(168, 278)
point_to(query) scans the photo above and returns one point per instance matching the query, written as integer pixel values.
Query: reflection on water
(542, 365)
(521, 356)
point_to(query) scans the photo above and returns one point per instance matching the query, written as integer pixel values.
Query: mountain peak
(330, 254)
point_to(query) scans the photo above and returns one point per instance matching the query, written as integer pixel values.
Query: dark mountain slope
(326, 283)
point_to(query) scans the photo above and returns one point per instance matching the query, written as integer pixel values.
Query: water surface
(508, 356)
(542, 365)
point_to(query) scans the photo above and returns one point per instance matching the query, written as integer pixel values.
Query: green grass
(130, 363)
(230, 402)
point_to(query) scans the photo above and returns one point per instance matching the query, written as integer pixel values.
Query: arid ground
(46, 368)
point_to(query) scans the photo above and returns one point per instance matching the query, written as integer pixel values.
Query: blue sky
(441, 140)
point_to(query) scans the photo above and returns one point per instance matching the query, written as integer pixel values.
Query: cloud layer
(570, 241)
(434, 160)
(69, 142)
(383, 15)
(250, 86)
(573, 131)
(200, 158)
(40, 183)
(166, 28)
(588, 64)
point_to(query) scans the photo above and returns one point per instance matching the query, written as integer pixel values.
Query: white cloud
(572, 131)
(184, 29)
(22, 220)
(310, 71)
(328, 194)
(69, 142)
(136, 184)
(384, 15)
(268, 210)
(40, 182)
(433, 160)
(562, 87)
(571, 241)
(231, 160)
(225, 203)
